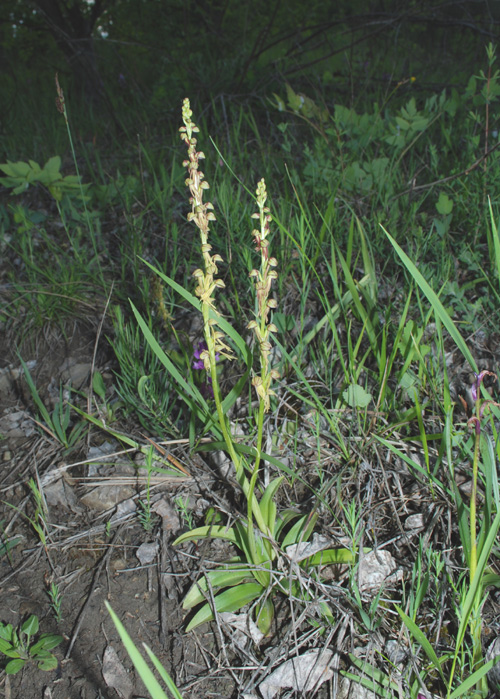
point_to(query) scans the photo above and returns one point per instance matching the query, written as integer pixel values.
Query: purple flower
(206, 389)
(202, 347)
(475, 420)
(476, 384)
(198, 363)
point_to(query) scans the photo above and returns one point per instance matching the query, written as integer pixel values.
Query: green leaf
(13, 652)
(98, 385)
(229, 601)
(40, 654)
(265, 616)
(47, 641)
(444, 205)
(301, 530)
(402, 123)
(21, 188)
(48, 664)
(52, 167)
(35, 167)
(255, 551)
(284, 518)
(5, 646)
(213, 532)
(491, 580)
(30, 626)
(295, 101)
(14, 666)
(6, 631)
(17, 170)
(267, 504)
(332, 556)
(218, 579)
(356, 397)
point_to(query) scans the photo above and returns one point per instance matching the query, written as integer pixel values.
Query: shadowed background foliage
(126, 64)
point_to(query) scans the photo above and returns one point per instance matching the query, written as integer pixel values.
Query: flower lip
(198, 361)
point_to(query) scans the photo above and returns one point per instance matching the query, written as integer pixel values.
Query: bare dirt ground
(91, 549)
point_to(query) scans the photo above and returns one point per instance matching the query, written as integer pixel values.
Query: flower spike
(202, 215)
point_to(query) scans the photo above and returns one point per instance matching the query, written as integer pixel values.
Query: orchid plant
(261, 535)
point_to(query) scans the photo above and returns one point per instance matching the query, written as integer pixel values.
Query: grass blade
(140, 664)
(163, 673)
(433, 299)
(421, 639)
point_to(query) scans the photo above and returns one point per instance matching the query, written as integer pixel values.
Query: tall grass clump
(478, 526)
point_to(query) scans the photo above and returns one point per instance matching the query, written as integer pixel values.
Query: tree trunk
(71, 23)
